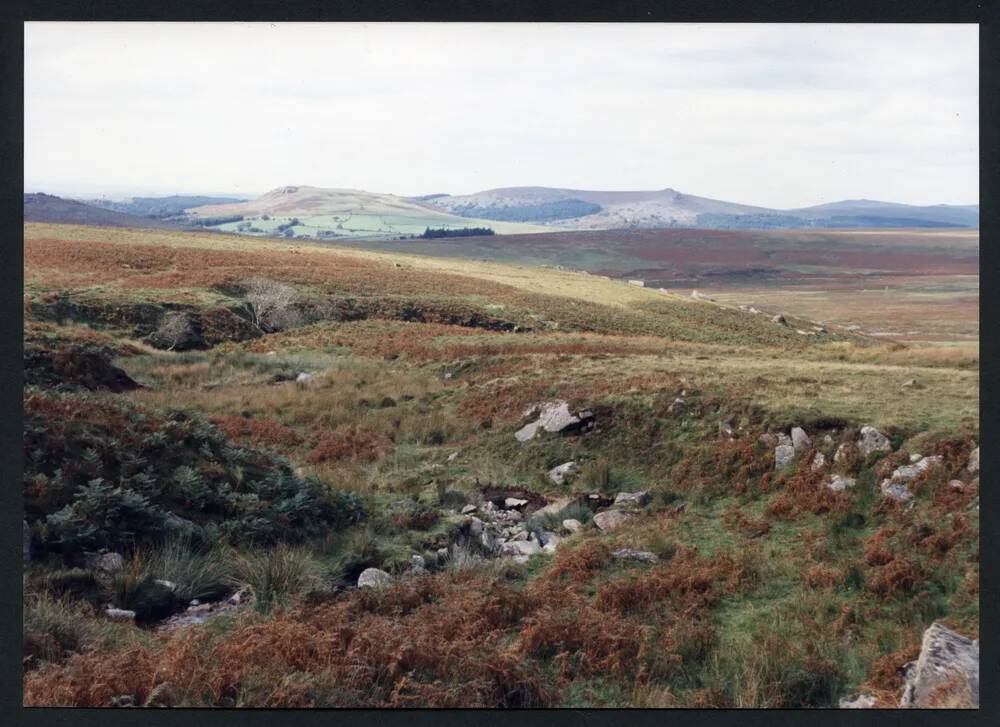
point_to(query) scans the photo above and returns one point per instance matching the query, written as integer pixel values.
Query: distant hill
(39, 207)
(160, 207)
(322, 213)
(591, 210)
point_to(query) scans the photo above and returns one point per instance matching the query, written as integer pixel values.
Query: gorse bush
(107, 473)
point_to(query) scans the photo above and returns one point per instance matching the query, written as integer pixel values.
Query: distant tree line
(430, 234)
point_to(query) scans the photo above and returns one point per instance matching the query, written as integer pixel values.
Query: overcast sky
(778, 116)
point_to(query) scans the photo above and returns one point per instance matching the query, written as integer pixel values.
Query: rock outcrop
(872, 440)
(374, 578)
(610, 520)
(554, 417)
(947, 661)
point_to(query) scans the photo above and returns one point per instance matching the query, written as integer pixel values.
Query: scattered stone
(610, 520)
(119, 614)
(442, 554)
(907, 472)
(519, 535)
(169, 585)
(555, 507)
(862, 701)
(800, 440)
(819, 329)
(839, 483)
(676, 405)
(827, 440)
(572, 525)
(469, 509)
(643, 556)
(514, 502)
(726, 429)
(780, 320)
(872, 440)
(520, 547)
(944, 656)
(418, 564)
(550, 541)
(448, 375)
(106, 562)
(783, 454)
(768, 439)
(784, 439)
(475, 526)
(912, 384)
(895, 490)
(303, 378)
(563, 472)
(973, 465)
(25, 542)
(842, 453)
(818, 462)
(956, 485)
(375, 578)
(632, 499)
(914, 458)
(453, 456)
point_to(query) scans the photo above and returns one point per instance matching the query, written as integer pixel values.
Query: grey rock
(418, 564)
(632, 499)
(914, 458)
(303, 378)
(956, 485)
(842, 453)
(514, 502)
(839, 483)
(610, 520)
(895, 490)
(783, 454)
(780, 320)
(119, 614)
(944, 656)
(519, 536)
(563, 472)
(783, 438)
(554, 417)
(453, 456)
(468, 509)
(169, 585)
(572, 525)
(818, 462)
(555, 507)
(475, 526)
(872, 440)
(374, 578)
(547, 536)
(520, 547)
(106, 562)
(862, 701)
(827, 440)
(800, 440)
(642, 556)
(973, 465)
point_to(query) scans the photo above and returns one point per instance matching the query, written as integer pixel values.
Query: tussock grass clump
(275, 577)
(199, 572)
(54, 628)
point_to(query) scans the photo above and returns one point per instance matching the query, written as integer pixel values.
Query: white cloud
(779, 116)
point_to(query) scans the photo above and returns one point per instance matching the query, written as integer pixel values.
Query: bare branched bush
(272, 304)
(175, 329)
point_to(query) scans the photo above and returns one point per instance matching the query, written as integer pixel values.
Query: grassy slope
(796, 607)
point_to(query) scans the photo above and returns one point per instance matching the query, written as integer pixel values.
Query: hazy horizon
(775, 116)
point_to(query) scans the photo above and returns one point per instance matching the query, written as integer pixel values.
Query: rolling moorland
(274, 474)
